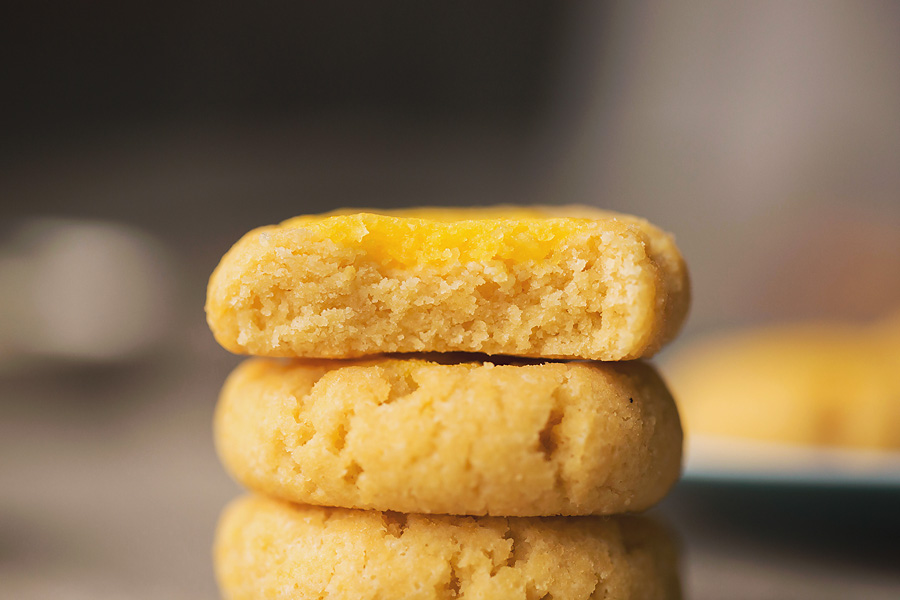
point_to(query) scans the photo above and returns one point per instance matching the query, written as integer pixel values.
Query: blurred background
(140, 140)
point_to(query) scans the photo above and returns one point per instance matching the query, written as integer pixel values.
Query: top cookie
(561, 282)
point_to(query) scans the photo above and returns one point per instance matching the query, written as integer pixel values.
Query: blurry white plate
(730, 460)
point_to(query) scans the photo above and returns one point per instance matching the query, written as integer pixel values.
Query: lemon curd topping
(443, 236)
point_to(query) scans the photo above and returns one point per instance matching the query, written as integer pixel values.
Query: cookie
(268, 550)
(538, 282)
(833, 384)
(472, 438)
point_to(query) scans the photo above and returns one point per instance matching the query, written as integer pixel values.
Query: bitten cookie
(475, 438)
(269, 550)
(565, 282)
(818, 383)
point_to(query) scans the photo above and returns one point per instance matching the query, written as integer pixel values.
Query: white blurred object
(728, 460)
(81, 291)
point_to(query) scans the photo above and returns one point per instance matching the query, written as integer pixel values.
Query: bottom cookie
(266, 549)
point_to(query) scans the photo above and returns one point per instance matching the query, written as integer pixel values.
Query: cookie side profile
(502, 280)
(267, 550)
(831, 384)
(477, 438)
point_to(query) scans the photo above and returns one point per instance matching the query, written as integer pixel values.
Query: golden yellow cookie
(267, 550)
(549, 282)
(412, 435)
(817, 383)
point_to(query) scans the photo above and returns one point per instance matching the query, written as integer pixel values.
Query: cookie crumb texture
(499, 280)
(268, 550)
(413, 435)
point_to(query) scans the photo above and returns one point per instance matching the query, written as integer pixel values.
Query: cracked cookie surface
(551, 282)
(268, 550)
(524, 438)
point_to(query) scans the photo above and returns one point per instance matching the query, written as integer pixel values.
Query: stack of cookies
(427, 433)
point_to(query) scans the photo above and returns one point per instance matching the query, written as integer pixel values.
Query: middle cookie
(471, 438)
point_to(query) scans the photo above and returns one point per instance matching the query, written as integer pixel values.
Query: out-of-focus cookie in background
(825, 384)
